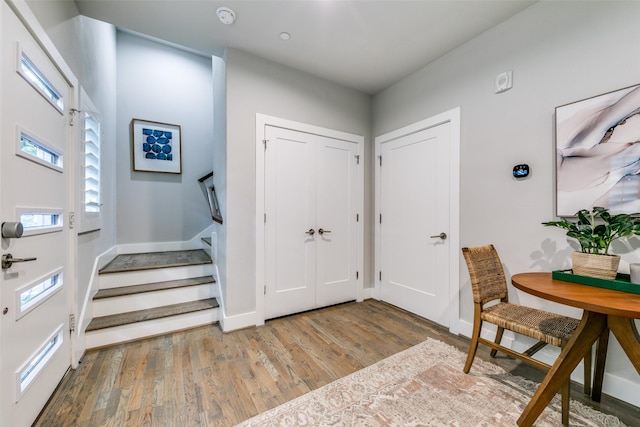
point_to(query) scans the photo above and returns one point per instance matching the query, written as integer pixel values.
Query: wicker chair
(489, 284)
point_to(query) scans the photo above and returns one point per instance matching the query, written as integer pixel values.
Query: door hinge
(265, 217)
(72, 116)
(380, 275)
(358, 217)
(357, 275)
(380, 159)
(380, 218)
(72, 323)
(265, 289)
(357, 156)
(264, 141)
(72, 219)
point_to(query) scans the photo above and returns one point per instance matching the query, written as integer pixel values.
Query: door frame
(263, 120)
(453, 117)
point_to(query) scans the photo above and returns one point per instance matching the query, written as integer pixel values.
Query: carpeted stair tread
(155, 260)
(150, 314)
(151, 287)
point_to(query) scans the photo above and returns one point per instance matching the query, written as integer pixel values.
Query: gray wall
(160, 83)
(559, 52)
(256, 85)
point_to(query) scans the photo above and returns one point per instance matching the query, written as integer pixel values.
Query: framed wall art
(598, 153)
(156, 147)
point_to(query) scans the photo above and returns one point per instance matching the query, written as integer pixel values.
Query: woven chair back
(487, 276)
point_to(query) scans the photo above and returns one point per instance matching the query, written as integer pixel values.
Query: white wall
(559, 52)
(256, 85)
(160, 83)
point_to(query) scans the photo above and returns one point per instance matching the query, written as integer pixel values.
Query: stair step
(150, 314)
(156, 260)
(152, 287)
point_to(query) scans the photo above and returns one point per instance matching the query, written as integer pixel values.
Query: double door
(311, 217)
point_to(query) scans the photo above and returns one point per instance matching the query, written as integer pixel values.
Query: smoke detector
(226, 15)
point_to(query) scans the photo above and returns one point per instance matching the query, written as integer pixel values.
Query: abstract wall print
(598, 153)
(156, 146)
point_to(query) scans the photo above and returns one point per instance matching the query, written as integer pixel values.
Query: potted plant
(595, 230)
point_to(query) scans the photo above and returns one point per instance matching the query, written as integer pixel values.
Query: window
(90, 185)
(38, 361)
(28, 70)
(34, 294)
(40, 221)
(34, 149)
(91, 164)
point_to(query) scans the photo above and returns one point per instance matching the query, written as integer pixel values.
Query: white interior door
(290, 228)
(34, 295)
(336, 221)
(414, 211)
(311, 214)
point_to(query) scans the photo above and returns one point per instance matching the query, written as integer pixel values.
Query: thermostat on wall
(521, 171)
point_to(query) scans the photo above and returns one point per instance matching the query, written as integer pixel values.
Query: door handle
(311, 232)
(321, 231)
(442, 236)
(8, 260)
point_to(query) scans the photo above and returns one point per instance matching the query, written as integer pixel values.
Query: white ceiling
(364, 45)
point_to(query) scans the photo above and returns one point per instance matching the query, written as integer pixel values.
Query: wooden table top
(591, 298)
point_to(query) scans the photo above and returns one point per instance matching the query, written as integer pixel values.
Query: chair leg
(498, 339)
(566, 397)
(473, 346)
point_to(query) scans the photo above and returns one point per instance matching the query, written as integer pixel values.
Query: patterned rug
(424, 386)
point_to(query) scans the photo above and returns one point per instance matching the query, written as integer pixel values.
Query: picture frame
(156, 147)
(597, 153)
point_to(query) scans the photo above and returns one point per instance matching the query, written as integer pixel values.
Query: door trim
(453, 117)
(262, 121)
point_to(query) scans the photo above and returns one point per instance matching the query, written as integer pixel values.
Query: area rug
(424, 386)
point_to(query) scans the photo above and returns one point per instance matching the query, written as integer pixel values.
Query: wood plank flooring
(202, 377)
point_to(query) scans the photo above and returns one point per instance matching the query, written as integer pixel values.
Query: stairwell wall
(165, 84)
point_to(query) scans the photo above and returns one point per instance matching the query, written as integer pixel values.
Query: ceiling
(364, 45)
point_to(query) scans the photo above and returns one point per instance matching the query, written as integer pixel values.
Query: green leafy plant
(596, 229)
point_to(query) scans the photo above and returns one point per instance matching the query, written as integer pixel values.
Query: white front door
(414, 211)
(310, 224)
(35, 348)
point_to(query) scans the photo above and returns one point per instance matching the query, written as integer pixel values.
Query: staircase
(142, 295)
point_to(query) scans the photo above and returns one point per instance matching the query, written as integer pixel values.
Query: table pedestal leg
(624, 329)
(601, 356)
(589, 330)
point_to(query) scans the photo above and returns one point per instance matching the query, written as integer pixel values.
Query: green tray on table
(620, 283)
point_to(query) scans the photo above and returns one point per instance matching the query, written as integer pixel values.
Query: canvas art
(156, 146)
(598, 153)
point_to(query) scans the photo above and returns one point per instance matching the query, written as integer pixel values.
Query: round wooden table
(605, 311)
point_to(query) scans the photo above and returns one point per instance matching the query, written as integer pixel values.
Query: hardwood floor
(207, 378)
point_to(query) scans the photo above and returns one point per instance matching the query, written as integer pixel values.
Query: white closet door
(336, 213)
(310, 229)
(290, 204)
